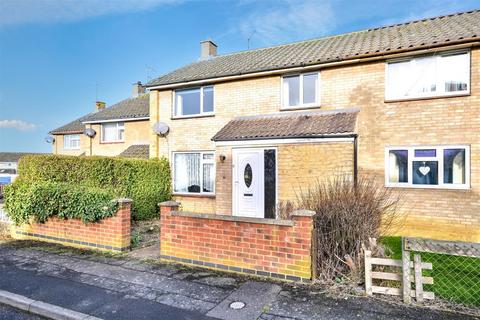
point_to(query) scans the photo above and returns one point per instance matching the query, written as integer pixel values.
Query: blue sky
(57, 56)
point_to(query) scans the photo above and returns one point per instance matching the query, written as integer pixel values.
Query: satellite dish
(161, 128)
(89, 132)
(49, 139)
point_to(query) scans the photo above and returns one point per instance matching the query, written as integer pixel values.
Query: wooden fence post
(368, 272)
(417, 266)
(406, 274)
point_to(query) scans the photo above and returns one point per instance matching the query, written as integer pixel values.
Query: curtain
(187, 172)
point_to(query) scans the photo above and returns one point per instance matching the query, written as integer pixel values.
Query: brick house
(121, 129)
(247, 130)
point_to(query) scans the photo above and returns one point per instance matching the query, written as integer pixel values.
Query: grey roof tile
(127, 109)
(140, 151)
(76, 126)
(311, 124)
(14, 156)
(437, 31)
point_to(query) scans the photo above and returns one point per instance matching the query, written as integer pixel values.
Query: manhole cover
(237, 305)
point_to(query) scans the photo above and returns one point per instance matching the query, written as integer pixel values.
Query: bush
(146, 182)
(41, 200)
(348, 216)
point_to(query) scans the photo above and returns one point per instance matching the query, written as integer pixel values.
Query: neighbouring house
(248, 130)
(8, 168)
(121, 129)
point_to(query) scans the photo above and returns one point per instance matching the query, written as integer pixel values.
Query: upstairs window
(428, 167)
(194, 172)
(300, 90)
(439, 75)
(113, 132)
(71, 142)
(194, 102)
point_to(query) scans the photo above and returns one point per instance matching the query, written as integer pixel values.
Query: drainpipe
(355, 160)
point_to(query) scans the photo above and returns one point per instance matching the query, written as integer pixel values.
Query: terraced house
(121, 129)
(247, 130)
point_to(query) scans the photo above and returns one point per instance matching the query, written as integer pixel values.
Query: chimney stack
(137, 89)
(99, 105)
(208, 49)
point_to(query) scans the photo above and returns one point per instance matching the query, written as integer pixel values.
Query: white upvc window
(446, 167)
(113, 132)
(301, 90)
(194, 102)
(194, 172)
(71, 142)
(439, 75)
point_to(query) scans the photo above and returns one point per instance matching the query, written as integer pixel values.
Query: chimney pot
(208, 49)
(137, 89)
(100, 105)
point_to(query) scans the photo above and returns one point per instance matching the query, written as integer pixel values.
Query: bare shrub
(284, 209)
(349, 215)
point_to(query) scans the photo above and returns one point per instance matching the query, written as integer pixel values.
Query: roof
(131, 108)
(141, 151)
(76, 126)
(13, 156)
(420, 34)
(312, 124)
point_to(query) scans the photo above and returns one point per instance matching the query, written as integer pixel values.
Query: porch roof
(313, 124)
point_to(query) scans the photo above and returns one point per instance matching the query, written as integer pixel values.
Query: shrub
(348, 215)
(146, 182)
(41, 200)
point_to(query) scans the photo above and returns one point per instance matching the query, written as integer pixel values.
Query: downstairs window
(194, 172)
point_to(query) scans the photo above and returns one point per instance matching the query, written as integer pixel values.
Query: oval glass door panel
(247, 175)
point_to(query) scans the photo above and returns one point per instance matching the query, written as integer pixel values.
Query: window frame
(70, 140)
(202, 113)
(119, 125)
(202, 162)
(439, 157)
(302, 105)
(428, 95)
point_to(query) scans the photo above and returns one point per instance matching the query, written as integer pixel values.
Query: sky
(57, 57)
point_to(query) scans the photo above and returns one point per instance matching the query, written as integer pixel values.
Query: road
(9, 313)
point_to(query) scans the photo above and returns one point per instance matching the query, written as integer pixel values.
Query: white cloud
(289, 20)
(49, 11)
(17, 124)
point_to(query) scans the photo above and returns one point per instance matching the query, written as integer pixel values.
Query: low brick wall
(264, 247)
(110, 234)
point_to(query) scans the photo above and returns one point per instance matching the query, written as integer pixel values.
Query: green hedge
(146, 182)
(40, 200)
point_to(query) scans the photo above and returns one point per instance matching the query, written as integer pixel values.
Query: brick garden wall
(264, 247)
(111, 234)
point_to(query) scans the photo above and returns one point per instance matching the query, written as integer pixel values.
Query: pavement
(124, 287)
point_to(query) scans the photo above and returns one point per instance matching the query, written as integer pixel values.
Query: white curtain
(187, 172)
(455, 72)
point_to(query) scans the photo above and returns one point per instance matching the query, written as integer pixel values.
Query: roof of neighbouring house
(76, 126)
(141, 151)
(312, 124)
(420, 34)
(132, 108)
(13, 156)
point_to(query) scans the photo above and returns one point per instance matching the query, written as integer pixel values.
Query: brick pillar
(305, 234)
(124, 216)
(166, 222)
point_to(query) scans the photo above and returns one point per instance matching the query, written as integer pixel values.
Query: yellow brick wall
(436, 213)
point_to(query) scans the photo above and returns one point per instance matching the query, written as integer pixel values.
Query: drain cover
(236, 305)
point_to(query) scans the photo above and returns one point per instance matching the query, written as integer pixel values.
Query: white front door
(248, 183)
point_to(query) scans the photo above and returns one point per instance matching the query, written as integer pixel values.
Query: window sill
(111, 142)
(193, 116)
(444, 96)
(316, 106)
(429, 187)
(194, 195)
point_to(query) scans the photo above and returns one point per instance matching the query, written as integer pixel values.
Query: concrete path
(125, 288)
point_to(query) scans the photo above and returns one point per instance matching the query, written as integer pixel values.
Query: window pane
(270, 183)
(208, 177)
(310, 84)
(425, 172)
(188, 102)
(454, 166)
(455, 71)
(291, 91)
(399, 79)
(187, 172)
(423, 77)
(425, 153)
(208, 99)
(208, 156)
(398, 166)
(109, 132)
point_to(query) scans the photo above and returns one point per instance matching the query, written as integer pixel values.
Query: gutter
(116, 120)
(459, 44)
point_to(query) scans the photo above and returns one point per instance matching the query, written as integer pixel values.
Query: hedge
(146, 182)
(40, 200)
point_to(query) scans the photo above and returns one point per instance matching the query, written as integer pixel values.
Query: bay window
(71, 142)
(113, 132)
(194, 102)
(429, 76)
(194, 172)
(428, 167)
(300, 90)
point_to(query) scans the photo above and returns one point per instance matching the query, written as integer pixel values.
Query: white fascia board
(116, 120)
(282, 141)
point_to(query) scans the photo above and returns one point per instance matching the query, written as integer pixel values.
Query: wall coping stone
(233, 218)
(303, 213)
(169, 204)
(124, 200)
